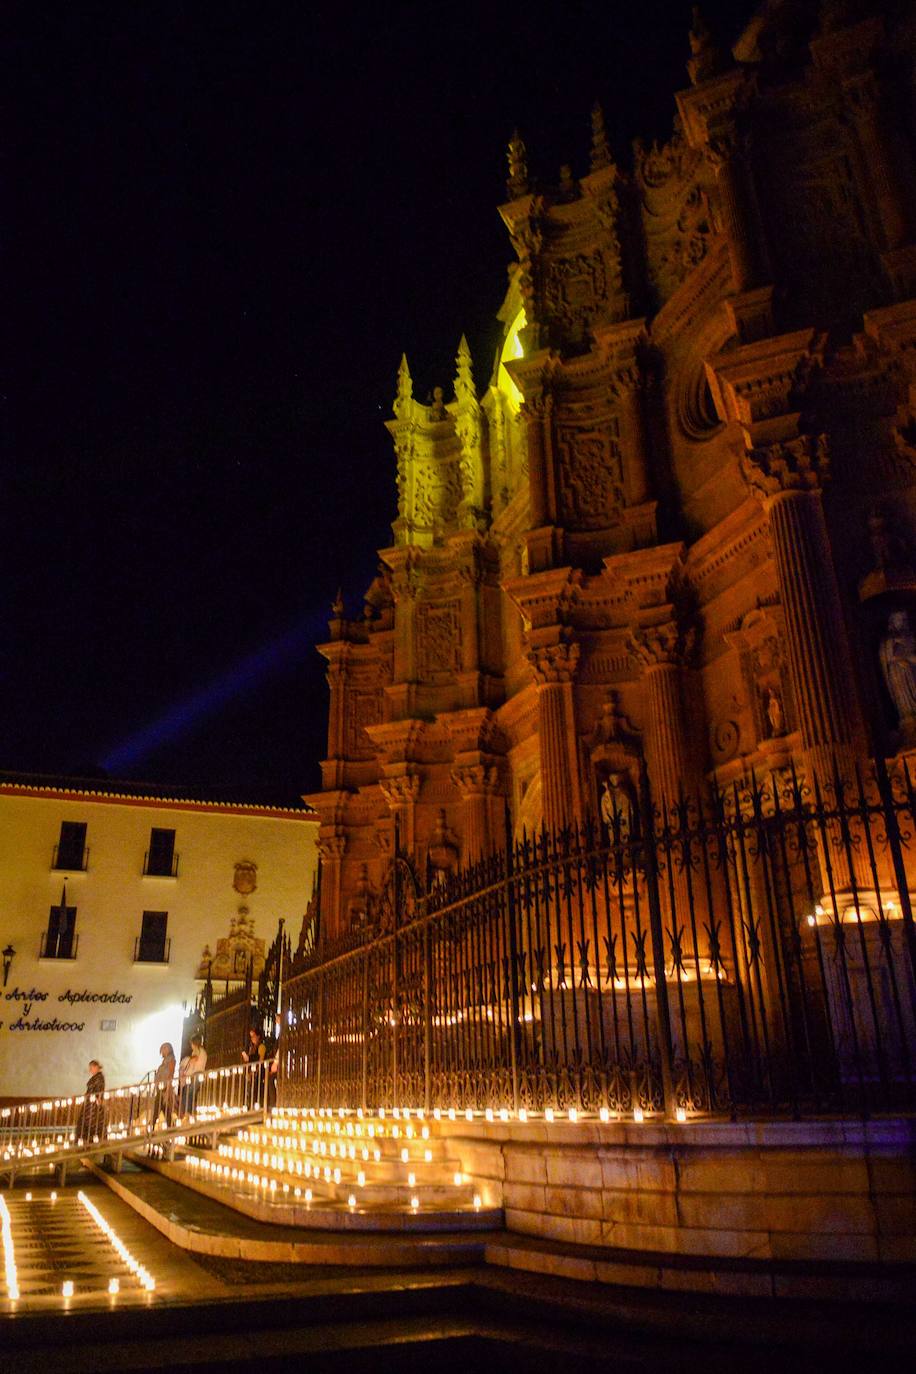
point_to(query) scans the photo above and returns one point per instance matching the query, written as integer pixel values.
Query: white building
(113, 898)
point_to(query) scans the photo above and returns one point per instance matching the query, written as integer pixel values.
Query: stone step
(323, 1212)
(397, 1191)
(392, 1170)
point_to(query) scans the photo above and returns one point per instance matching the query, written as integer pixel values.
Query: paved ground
(212, 1312)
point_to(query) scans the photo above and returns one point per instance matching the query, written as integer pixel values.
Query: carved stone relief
(591, 475)
(363, 708)
(438, 639)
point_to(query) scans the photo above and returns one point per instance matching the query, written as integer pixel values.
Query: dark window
(59, 940)
(152, 946)
(161, 859)
(70, 851)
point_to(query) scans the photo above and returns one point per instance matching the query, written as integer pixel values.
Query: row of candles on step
(228, 1174)
(490, 1115)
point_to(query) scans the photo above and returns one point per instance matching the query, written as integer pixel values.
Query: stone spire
(517, 157)
(464, 374)
(601, 152)
(405, 388)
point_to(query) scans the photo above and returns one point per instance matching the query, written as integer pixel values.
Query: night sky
(223, 223)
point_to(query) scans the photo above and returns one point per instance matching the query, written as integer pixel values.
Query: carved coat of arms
(246, 877)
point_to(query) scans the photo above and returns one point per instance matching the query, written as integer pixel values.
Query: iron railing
(70, 858)
(160, 866)
(47, 1132)
(750, 952)
(147, 951)
(60, 946)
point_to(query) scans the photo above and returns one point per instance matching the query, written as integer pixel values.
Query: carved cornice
(800, 464)
(762, 382)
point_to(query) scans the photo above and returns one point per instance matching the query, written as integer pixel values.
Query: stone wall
(772, 1191)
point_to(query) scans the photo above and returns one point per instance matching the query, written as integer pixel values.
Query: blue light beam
(238, 680)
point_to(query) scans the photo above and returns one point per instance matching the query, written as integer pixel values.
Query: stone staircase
(340, 1170)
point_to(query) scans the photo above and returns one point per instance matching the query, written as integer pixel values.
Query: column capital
(332, 846)
(478, 779)
(400, 791)
(554, 663)
(665, 645)
(792, 465)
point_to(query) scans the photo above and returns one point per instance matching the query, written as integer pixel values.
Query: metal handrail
(42, 1133)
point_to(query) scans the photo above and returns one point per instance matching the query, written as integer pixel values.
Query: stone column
(479, 785)
(401, 793)
(786, 477)
(554, 667)
(660, 650)
(331, 850)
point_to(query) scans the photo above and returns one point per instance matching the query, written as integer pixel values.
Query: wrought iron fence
(749, 952)
(227, 1020)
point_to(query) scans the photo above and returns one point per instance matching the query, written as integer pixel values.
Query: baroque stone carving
(591, 475)
(438, 639)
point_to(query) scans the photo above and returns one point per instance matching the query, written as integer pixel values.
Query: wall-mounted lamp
(9, 955)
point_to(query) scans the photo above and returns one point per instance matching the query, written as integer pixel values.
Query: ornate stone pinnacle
(337, 605)
(464, 375)
(800, 464)
(405, 388)
(517, 157)
(601, 152)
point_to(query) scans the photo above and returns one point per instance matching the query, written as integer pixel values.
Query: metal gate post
(662, 1008)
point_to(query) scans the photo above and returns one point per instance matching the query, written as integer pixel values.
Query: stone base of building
(812, 1190)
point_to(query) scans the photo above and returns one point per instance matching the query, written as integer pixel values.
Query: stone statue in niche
(775, 714)
(898, 663)
(617, 808)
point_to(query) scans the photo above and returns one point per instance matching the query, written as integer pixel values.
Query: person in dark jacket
(91, 1122)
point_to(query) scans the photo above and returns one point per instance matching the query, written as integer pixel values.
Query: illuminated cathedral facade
(674, 530)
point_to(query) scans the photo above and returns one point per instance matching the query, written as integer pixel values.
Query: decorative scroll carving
(675, 211)
(438, 639)
(591, 475)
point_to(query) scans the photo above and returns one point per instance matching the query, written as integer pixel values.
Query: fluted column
(786, 477)
(401, 793)
(554, 667)
(479, 785)
(331, 850)
(660, 650)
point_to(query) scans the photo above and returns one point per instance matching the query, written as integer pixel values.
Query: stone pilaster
(786, 477)
(481, 788)
(660, 650)
(401, 793)
(331, 850)
(554, 668)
